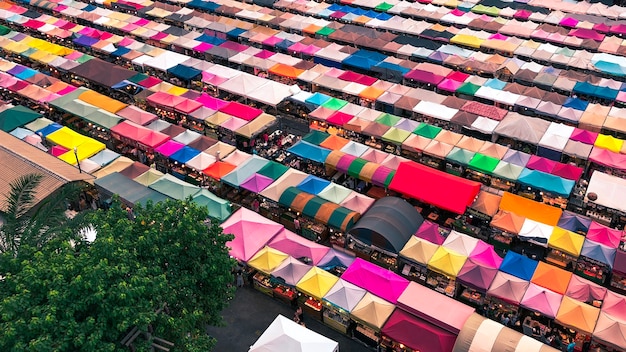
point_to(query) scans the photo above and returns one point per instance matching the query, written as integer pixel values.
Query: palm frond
(22, 195)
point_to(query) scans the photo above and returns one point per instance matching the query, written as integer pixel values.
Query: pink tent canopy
(567, 171)
(211, 102)
(153, 139)
(242, 111)
(508, 288)
(449, 85)
(430, 232)
(485, 255)
(615, 305)
(290, 271)
(381, 282)
(57, 150)
(298, 246)
(585, 33)
(540, 164)
(357, 202)
(610, 331)
(165, 99)
(297, 47)
(604, 235)
(541, 300)
(608, 158)
(568, 22)
(168, 148)
(584, 290)
(202, 47)
(188, 106)
(477, 275)
(584, 136)
(234, 123)
(434, 307)
(257, 183)
(339, 118)
(252, 232)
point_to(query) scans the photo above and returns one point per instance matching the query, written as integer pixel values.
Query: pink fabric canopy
(241, 111)
(234, 123)
(604, 235)
(567, 171)
(57, 150)
(381, 282)
(339, 118)
(257, 183)
(485, 255)
(584, 136)
(508, 288)
(298, 246)
(477, 275)
(584, 290)
(252, 232)
(542, 300)
(615, 305)
(168, 148)
(211, 102)
(608, 158)
(449, 85)
(357, 202)
(540, 164)
(429, 231)
(202, 47)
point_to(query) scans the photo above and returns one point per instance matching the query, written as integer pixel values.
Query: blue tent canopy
(383, 16)
(235, 33)
(495, 84)
(184, 154)
(363, 59)
(309, 151)
(610, 68)
(210, 39)
(203, 5)
(239, 175)
(586, 88)
(313, 184)
(120, 51)
(599, 252)
(53, 127)
(335, 258)
(27, 73)
(390, 71)
(576, 103)
(284, 44)
(546, 182)
(184, 72)
(574, 222)
(317, 99)
(518, 265)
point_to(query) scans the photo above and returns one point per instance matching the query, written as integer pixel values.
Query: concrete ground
(251, 312)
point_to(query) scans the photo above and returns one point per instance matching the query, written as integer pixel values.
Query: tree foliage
(167, 271)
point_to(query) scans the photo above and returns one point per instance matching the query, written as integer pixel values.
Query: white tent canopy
(438, 111)
(283, 334)
(536, 232)
(166, 60)
(606, 187)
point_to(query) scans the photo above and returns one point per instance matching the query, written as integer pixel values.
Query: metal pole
(77, 162)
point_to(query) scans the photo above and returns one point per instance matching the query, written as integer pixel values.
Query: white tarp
(438, 111)
(166, 60)
(536, 232)
(284, 334)
(606, 189)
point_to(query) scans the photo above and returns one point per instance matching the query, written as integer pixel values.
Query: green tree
(167, 272)
(31, 223)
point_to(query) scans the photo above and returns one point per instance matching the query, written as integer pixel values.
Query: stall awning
(447, 262)
(531, 209)
(372, 310)
(252, 232)
(298, 246)
(316, 282)
(452, 193)
(309, 151)
(419, 250)
(344, 295)
(518, 265)
(416, 333)
(476, 275)
(541, 300)
(577, 315)
(551, 277)
(388, 224)
(373, 278)
(267, 259)
(546, 182)
(566, 241)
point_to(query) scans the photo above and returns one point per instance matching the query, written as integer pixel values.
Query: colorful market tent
(290, 271)
(313, 184)
(244, 171)
(430, 231)
(298, 247)
(309, 151)
(551, 277)
(508, 288)
(485, 255)
(416, 333)
(283, 334)
(604, 187)
(290, 178)
(574, 222)
(372, 310)
(388, 224)
(437, 309)
(129, 191)
(252, 232)
(610, 330)
(460, 243)
(419, 250)
(599, 252)
(535, 232)
(566, 241)
(174, 187)
(605, 235)
(530, 209)
(316, 282)
(577, 315)
(344, 295)
(381, 282)
(584, 290)
(219, 169)
(218, 208)
(518, 265)
(357, 202)
(149, 177)
(483, 334)
(335, 258)
(17, 116)
(447, 262)
(452, 193)
(541, 300)
(267, 259)
(477, 275)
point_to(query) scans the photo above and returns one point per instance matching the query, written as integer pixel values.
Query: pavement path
(251, 312)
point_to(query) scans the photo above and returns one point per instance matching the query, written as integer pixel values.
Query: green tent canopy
(383, 7)
(17, 116)
(484, 163)
(288, 196)
(325, 31)
(174, 188)
(388, 119)
(468, 88)
(218, 208)
(343, 218)
(356, 166)
(138, 78)
(426, 130)
(313, 206)
(103, 118)
(395, 135)
(334, 104)
(315, 137)
(4, 30)
(273, 170)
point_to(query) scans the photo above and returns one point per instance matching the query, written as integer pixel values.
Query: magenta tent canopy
(417, 333)
(484, 254)
(429, 231)
(298, 246)
(585, 33)
(584, 136)
(476, 275)
(381, 282)
(615, 305)
(432, 306)
(241, 111)
(542, 300)
(508, 288)
(257, 183)
(252, 232)
(168, 148)
(604, 235)
(211, 102)
(541, 164)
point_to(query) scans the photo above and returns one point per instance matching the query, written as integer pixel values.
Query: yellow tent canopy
(419, 250)
(316, 282)
(117, 165)
(566, 241)
(609, 142)
(267, 259)
(102, 101)
(83, 151)
(447, 262)
(178, 91)
(467, 40)
(577, 315)
(67, 138)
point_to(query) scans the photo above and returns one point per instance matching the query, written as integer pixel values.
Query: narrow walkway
(251, 312)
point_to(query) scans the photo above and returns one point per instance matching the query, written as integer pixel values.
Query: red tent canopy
(434, 187)
(242, 111)
(417, 333)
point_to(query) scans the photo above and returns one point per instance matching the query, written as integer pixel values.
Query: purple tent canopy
(516, 157)
(334, 258)
(430, 232)
(344, 163)
(256, 183)
(380, 176)
(477, 275)
(574, 222)
(17, 69)
(168, 148)
(381, 282)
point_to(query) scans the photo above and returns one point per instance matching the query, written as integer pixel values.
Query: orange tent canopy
(530, 209)
(219, 169)
(334, 142)
(551, 277)
(577, 315)
(371, 93)
(507, 221)
(102, 101)
(285, 71)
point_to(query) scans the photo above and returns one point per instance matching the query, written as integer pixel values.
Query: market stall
(564, 248)
(618, 277)
(314, 285)
(298, 247)
(339, 301)
(251, 231)
(264, 262)
(335, 261)
(595, 261)
(375, 279)
(518, 265)
(443, 268)
(407, 333)
(432, 232)
(369, 316)
(283, 333)
(285, 277)
(414, 257)
(505, 226)
(505, 294)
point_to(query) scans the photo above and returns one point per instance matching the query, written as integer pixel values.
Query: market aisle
(250, 312)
